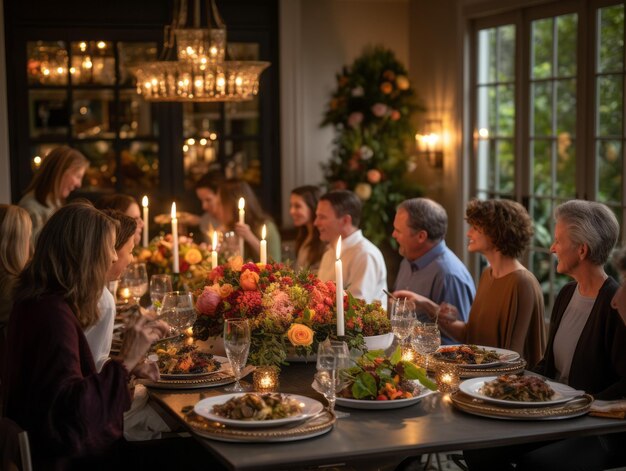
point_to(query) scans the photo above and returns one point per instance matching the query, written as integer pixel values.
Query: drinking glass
(403, 319)
(178, 311)
(159, 285)
(333, 358)
(230, 244)
(237, 346)
(135, 278)
(426, 339)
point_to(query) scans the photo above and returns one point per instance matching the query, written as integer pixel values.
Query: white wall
(319, 37)
(5, 174)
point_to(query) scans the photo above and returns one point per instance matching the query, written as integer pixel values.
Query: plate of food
(255, 410)
(519, 390)
(186, 361)
(380, 382)
(474, 356)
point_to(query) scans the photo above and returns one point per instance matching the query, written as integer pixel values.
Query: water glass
(178, 311)
(135, 278)
(333, 358)
(426, 339)
(159, 285)
(237, 346)
(403, 319)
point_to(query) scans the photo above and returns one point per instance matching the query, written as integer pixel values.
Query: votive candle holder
(447, 378)
(265, 379)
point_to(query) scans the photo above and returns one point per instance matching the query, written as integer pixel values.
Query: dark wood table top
(380, 436)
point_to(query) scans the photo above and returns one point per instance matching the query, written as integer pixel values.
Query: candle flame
(263, 232)
(242, 203)
(214, 241)
(174, 210)
(144, 201)
(338, 251)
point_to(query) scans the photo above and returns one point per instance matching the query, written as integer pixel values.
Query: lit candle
(125, 294)
(144, 203)
(263, 245)
(175, 268)
(214, 251)
(242, 220)
(339, 283)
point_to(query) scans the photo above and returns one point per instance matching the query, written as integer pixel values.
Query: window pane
(506, 165)
(542, 216)
(542, 108)
(566, 106)
(541, 265)
(101, 173)
(135, 116)
(506, 110)
(610, 107)
(566, 58)
(243, 161)
(565, 183)
(542, 48)
(487, 55)
(93, 112)
(242, 118)
(46, 62)
(48, 114)
(93, 62)
(140, 166)
(199, 154)
(611, 38)
(506, 59)
(201, 119)
(610, 166)
(132, 53)
(542, 167)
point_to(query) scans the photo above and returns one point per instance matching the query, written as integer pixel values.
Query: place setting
(472, 361)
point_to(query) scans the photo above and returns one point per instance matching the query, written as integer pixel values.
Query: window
(542, 137)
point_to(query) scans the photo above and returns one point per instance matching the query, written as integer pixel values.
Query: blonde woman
(50, 383)
(15, 230)
(61, 172)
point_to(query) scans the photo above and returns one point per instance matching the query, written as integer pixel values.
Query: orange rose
(226, 290)
(193, 256)
(248, 280)
(300, 335)
(144, 255)
(235, 262)
(386, 88)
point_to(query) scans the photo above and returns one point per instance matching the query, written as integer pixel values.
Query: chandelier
(201, 72)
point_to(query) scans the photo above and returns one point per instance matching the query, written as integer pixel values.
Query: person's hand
(422, 302)
(140, 334)
(448, 313)
(244, 231)
(147, 370)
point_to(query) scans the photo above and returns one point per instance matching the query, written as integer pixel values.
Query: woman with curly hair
(508, 308)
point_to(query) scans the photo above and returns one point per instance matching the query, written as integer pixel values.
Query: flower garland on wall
(371, 112)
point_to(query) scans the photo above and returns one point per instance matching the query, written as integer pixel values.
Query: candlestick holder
(265, 379)
(447, 378)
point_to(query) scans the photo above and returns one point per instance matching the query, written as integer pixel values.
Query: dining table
(372, 439)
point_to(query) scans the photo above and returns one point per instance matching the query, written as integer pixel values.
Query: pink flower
(379, 110)
(374, 176)
(208, 301)
(355, 119)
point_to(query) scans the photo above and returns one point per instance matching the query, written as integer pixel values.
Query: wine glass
(426, 339)
(237, 346)
(135, 278)
(333, 357)
(159, 285)
(178, 311)
(403, 319)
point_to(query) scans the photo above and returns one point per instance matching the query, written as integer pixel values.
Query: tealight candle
(146, 220)
(409, 354)
(265, 379)
(339, 287)
(447, 378)
(125, 294)
(242, 220)
(263, 246)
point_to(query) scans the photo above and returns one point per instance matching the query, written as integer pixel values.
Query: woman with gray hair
(586, 339)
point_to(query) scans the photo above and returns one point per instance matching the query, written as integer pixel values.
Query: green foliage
(371, 112)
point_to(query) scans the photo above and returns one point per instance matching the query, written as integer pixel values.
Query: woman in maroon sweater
(51, 388)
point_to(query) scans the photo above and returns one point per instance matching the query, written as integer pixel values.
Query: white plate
(221, 360)
(562, 393)
(504, 354)
(381, 405)
(310, 407)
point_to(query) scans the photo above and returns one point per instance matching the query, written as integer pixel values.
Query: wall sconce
(430, 143)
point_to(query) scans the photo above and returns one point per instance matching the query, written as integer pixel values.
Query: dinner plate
(505, 355)
(562, 393)
(204, 408)
(220, 360)
(371, 404)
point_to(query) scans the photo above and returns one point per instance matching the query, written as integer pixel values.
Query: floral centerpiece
(194, 259)
(286, 309)
(371, 112)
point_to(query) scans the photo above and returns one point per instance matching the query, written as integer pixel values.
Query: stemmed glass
(403, 319)
(178, 311)
(159, 285)
(135, 278)
(333, 357)
(426, 339)
(237, 346)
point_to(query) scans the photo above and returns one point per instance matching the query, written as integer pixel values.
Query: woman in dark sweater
(51, 387)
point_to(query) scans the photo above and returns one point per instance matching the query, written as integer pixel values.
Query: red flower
(250, 266)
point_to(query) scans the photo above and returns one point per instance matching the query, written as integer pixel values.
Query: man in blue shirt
(429, 267)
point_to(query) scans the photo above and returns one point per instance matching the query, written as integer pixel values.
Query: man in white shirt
(338, 213)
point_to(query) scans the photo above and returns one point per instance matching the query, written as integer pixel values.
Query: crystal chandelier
(201, 72)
